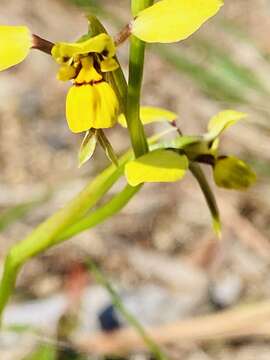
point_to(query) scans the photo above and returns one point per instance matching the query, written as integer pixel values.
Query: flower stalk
(42, 44)
(123, 35)
(136, 65)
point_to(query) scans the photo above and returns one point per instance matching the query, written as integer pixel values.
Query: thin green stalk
(208, 194)
(138, 5)
(117, 302)
(136, 65)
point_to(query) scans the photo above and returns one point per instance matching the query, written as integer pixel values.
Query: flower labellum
(91, 101)
(15, 44)
(233, 173)
(91, 106)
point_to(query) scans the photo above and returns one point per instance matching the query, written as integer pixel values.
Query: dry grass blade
(245, 321)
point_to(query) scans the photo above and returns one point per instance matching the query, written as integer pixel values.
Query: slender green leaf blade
(107, 147)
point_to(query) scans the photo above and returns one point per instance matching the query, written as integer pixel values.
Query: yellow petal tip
(15, 44)
(173, 20)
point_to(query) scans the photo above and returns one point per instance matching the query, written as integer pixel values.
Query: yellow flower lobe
(173, 20)
(15, 44)
(91, 106)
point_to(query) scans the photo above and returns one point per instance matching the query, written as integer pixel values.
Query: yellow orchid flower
(15, 44)
(173, 20)
(91, 101)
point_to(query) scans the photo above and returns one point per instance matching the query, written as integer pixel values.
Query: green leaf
(88, 147)
(222, 121)
(107, 147)
(149, 115)
(156, 166)
(233, 173)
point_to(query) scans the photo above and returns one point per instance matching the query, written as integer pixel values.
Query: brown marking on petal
(93, 82)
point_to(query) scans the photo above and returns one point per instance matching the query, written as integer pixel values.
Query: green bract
(88, 146)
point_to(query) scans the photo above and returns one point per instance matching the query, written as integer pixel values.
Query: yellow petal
(222, 121)
(156, 166)
(79, 108)
(91, 106)
(107, 106)
(66, 72)
(122, 120)
(101, 43)
(15, 43)
(108, 65)
(173, 20)
(150, 115)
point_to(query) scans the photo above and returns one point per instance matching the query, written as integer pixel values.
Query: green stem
(117, 302)
(138, 5)
(136, 65)
(208, 194)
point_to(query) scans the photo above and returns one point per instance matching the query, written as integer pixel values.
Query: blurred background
(160, 252)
